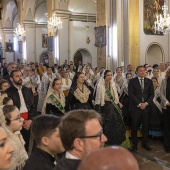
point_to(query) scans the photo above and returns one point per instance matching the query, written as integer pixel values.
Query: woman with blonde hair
(165, 102)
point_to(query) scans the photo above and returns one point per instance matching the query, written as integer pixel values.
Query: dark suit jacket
(40, 160)
(135, 93)
(12, 92)
(67, 164)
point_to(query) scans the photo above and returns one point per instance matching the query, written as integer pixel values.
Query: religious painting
(152, 9)
(9, 47)
(50, 43)
(44, 40)
(100, 36)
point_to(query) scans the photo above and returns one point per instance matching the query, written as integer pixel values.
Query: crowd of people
(54, 116)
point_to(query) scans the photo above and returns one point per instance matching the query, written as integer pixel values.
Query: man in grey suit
(141, 93)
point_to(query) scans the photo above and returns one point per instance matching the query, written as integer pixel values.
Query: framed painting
(100, 36)
(9, 47)
(152, 9)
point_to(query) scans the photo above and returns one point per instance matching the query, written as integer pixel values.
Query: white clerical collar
(70, 156)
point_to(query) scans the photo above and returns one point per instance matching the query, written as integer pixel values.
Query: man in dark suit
(46, 133)
(80, 132)
(141, 93)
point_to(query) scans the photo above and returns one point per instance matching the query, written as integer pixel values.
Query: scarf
(20, 155)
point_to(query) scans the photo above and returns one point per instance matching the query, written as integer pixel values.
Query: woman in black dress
(80, 95)
(155, 121)
(107, 98)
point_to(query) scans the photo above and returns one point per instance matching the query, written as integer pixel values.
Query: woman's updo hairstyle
(105, 73)
(53, 83)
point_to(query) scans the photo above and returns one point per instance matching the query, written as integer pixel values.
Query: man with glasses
(80, 132)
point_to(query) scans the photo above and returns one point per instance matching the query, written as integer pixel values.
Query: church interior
(104, 33)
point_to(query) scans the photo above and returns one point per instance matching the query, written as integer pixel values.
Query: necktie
(142, 87)
(142, 84)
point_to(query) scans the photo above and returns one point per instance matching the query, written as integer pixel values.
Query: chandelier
(55, 22)
(163, 22)
(19, 30)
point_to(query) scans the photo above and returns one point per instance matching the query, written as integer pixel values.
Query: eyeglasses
(99, 135)
(18, 118)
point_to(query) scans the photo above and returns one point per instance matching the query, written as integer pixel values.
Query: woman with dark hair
(107, 98)
(12, 122)
(165, 103)
(54, 102)
(155, 121)
(4, 85)
(80, 95)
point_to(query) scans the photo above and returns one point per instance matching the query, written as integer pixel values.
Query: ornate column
(101, 21)
(134, 33)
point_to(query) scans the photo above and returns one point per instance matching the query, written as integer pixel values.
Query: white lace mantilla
(82, 96)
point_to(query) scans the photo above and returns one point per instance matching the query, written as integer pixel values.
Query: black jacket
(12, 92)
(135, 93)
(67, 164)
(40, 160)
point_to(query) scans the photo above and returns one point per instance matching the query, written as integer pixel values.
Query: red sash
(24, 115)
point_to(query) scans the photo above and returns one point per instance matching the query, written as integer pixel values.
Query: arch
(82, 54)
(154, 53)
(44, 57)
(6, 12)
(41, 9)
(35, 4)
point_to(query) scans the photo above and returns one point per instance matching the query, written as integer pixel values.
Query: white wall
(82, 6)
(64, 41)
(77, 39)
(145, 40)
(30, 43)
(39, 49)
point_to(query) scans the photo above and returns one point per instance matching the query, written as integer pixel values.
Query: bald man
(109, 158)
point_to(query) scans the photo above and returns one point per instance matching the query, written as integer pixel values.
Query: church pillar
(101, 21)
(134, 33)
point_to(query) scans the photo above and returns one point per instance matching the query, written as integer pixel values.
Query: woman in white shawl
(54, 102)
(119, 79)
(12, 122)
(107, 99)
(89, 75)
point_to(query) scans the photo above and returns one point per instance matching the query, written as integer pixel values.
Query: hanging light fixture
(87, 27)
(162, 25)
(55, 22)
(19, 30)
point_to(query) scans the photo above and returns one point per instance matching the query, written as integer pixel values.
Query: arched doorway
(82, 55)
(154, 54)
(44, 58)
